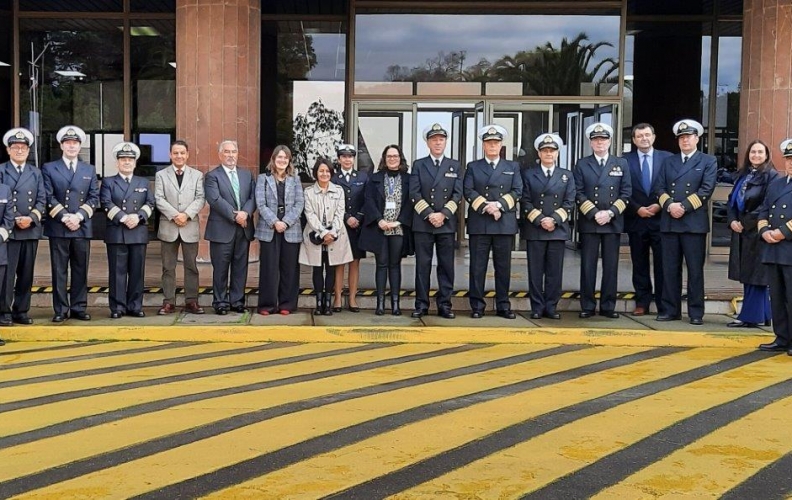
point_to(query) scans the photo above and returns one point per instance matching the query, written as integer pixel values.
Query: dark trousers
(229, 288)
(424, 244)
(127, 268)
(781, 301)
(480, 246)
(642, 242)
(590, 246)
(170, 255)
(324, 276)
(693, 248)
(545, 274)
(15, 296)
(388, 262)
(69, 255)
(279, 274)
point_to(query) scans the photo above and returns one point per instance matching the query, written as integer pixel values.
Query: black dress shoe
(6, 322)
(22, 319)
(768, 322)
(536, 316)
(354, 309)
(741, 324)
(221, 311)
(477, 315)
(59, 318)
(446, 313)
(82, 316)
(2, 342)
(585, 314)
(506, 314)
(239, 309)
(552, 315)
(609, 314)
(667, 317)
(115, 315)
(136, 314)
(419, 313)
(337, 309)
(774, 346)
(696, 321)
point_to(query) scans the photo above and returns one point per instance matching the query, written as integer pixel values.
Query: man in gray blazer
(179, 196)
(230, 192)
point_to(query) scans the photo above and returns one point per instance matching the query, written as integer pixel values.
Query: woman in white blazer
(325, 241)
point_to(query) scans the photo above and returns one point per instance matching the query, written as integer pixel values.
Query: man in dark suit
(547, 202)
(230, 193)
(6, 225)
(129, 204)
(435, 192)
(28, 202)
(684, 189)
(642, 219)
(775, 227)
(72, 196)
(603, 187)
(491, 186)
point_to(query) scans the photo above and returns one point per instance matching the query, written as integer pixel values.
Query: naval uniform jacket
(69, 193)
(691, 184)
(602, 188)
(502, 184)
(543, 197)
(354, 192)
(28, 198)
(120, 199)
(776, 213)
(434, 189)
(6, 222)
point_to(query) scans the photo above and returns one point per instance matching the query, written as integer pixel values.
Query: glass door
(376, 125)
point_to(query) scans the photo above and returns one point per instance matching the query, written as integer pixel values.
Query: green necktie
(235, 187)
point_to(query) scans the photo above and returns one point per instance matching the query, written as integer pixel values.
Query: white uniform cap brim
(605, 126)
(13, 132)
(485, 131)
(77, 130)
(690, 123)
(120, 146)
(783, 147)
(539, 141)
(428, 129)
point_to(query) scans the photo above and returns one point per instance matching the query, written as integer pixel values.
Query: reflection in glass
(548, 54)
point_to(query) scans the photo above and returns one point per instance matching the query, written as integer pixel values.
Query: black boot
(380, 310)
(319, 304)
(328, 304)
(395, 283)
(395, 309)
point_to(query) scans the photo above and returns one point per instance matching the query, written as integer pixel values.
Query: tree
(316, 134)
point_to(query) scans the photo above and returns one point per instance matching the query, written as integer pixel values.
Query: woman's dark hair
(746, 165)
(402, 160)
(318, 163)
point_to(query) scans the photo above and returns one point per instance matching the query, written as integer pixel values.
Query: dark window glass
(572, 55)
(304, 7)
(71, 6)
(6, 94)
(152, 6)
(5, 4)
(302, 88)
(730, 7)
(669, 7)
(77, 79)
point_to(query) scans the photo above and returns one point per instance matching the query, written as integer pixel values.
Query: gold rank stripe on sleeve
(88, 210)
(476, 204)
(421, 206)
(695, 201)
(113, 212)
(3, 234)
(762, 224)
(563, 214)
(451, 206)
(663, 199)
(36, 213)
(620, 206)
(789, 225)
(146, 210)
(56, 210)
(509, 199)
(533, 214)
(586, 207)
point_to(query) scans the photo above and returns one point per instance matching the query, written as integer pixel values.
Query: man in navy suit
(435, 192)
(28, 202)
(129, 204)
(72, 196)
(684, 189)
(775, 227)
(603, 187)
(492, 186)
(230, 192)
(642, 219)
(6, 224)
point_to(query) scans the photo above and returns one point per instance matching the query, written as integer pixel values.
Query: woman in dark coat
(385, 231)
(750, 186)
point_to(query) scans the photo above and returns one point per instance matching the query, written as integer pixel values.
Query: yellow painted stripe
(7, 361)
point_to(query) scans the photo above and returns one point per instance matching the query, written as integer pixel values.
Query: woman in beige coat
(325, 241)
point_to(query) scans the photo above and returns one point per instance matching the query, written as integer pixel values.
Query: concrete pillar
(766, 89)
(218, 59)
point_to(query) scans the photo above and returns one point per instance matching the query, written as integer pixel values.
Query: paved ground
(403, 413)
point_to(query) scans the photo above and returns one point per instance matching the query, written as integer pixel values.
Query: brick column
(766, 88)
(218, 58)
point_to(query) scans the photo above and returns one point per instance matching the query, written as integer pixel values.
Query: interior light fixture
(172, 64)
(141, 30)
(70, 73)
(4, 63)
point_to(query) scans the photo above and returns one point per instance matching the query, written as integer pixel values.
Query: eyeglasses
(393, 157)
(18, 149)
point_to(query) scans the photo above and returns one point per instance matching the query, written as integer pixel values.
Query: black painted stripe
(141, 364)
(92, 464)
(770, 483)
(442, 463)
(84, 393)
(84, 357)
(5, 352)
(263, 464)
(615, 467)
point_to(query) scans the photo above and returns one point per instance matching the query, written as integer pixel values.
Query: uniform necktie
(492, 164)
(646, 175)
(346, 176)
(235, 187)
(19, 169)
(71, 166)
(547, 173)
(126, 179)
(437, 163)
(602, 162)
(684, 160)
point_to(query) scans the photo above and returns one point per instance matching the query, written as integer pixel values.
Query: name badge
(141, 190)
(86, 178)
(451, 174)
(616, 173)
(508, 173)
(390, 205)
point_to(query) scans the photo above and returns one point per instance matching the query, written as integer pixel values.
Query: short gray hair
(227, 141)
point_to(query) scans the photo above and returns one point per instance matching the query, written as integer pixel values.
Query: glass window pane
(162, 6)
(548, 54)
(669, 7)
(73, 6)
(312, 7)
(6, 76)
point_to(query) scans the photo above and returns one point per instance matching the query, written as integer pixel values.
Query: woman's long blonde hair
(276, 152)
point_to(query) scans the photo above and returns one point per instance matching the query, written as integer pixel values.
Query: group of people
(660, 199)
